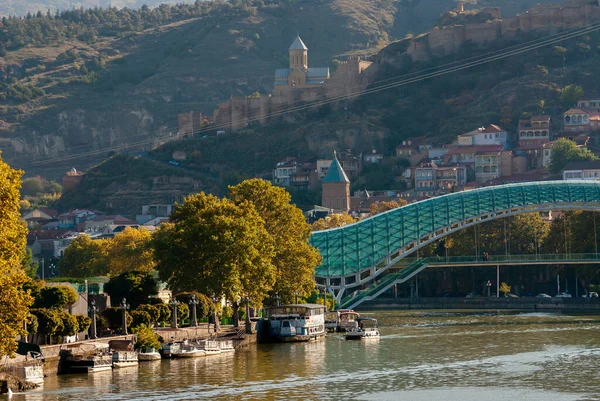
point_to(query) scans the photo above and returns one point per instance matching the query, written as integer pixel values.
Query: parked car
(509, 295)
(174, 163)
(563, 295)
(590, 295)
(542, 295)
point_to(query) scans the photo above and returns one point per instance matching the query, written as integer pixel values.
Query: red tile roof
(492, 128)
(474, 149)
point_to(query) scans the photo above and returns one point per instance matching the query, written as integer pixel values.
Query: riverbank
(591, 305)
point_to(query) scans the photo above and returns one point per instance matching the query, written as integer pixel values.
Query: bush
(56, 297)
(83, 322)
(141, 317)
(152, 310)
(70, 325)
(164, 312)
(204, 307)
(146, 337)
(114, 318)
(49, 321)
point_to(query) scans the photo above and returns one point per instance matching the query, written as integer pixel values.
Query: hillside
(99, 79)
(439, 108)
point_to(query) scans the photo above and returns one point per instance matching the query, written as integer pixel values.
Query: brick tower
(336, 188)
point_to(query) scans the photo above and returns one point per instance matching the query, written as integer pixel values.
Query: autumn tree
(333, 221)
(294, 258)
(84, 257)
(130, 250)
(215, 247)
(14, 300)
(504, 288)
(383, 206)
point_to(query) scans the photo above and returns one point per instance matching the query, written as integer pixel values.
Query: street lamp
(174, 303)
(193, 303)
(248, 328)
(489, 288)
(124, 307)
(93, 309)
(215, 299)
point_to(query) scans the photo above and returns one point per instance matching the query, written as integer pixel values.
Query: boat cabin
(297, 322)
(348, 320)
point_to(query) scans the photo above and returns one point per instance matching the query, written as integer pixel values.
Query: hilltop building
(299, 75)
(336, 188)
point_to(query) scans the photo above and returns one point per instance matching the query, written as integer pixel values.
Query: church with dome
(299, 75)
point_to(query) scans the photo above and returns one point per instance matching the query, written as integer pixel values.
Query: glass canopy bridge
(401, 274)
(358, 254)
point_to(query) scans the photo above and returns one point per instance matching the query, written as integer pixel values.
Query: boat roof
(360, 319)
(349, 313)
(308, 306)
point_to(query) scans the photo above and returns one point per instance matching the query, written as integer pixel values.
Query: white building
(490, 135)
(582, 171)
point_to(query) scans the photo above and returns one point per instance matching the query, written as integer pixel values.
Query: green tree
(83, 322)
(69, 323)
(216, 247)
(114, 318)
(32, 186)
(565, 151)
(50, 323)
(146, 337)
(183, 312)
(383, 206)
(561, 52)
(294, 258)
(204, 306)
(164, 312)
(14, 299)
(84, 257)
(570, 95)
(30, 266)
(141, 317)
(152, 310)
(527, 233)
(56, 297)
(136, 287)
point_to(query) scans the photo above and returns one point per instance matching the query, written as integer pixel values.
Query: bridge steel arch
(358, 253)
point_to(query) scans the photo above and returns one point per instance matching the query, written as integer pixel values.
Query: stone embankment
(14, 384)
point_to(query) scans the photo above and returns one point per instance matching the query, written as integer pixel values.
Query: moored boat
(167, 350)
(367, 331)
(211, 347)
(188, 351)
(348, 320)
(124, 359)
(226, 346)
(149, 354)
(297, 322)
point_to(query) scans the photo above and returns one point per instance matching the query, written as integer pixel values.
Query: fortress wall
(483, 33)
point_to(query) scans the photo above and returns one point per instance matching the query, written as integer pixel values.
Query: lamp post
(193, 303)
(248, 327)
(93, 309)
(124, 307)
(174, 303)
(215, 299)
(489, 288)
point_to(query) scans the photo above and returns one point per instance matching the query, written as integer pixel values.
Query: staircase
(384, 284)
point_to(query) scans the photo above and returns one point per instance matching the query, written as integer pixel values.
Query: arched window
(529, 134)
(567, 119)
(579, 118)
(537, 133)
(544, 133)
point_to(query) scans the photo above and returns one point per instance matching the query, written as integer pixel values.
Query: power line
(393, 83)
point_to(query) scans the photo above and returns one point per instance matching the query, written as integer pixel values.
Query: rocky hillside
(109, 79)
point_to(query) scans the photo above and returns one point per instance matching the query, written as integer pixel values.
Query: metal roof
(282, 73)
(298, 44)
(335, 173)
(314, 72)
(315, 82)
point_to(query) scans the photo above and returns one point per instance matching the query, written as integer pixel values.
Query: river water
(421, 355)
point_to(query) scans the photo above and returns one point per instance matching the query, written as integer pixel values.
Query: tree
(130, 250)
(527, 233)
(136, 287)
(216, 247)
(183, 312)
(84, 257)
(70, 325)
(561, 52)
(141, 317)
(146, 337)
(332, 221)
(14, 300)
(570, 95)
(383, 206)
(30, 266)
(294, 258)
(114, 318)
(83, 322)
(204, 306)
(153, 311)
(32, 186)
(49, 322)
(565, 151)
(504, 288)
(164, 312)
(56, 297)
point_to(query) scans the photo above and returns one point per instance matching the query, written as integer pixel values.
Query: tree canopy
(130, 250)
(332, 221)
(84, 257)
(294, 258)
(565, 151)
(136, 287)
(380, 207)
(215, 247)
(14, 300)
(570, 95)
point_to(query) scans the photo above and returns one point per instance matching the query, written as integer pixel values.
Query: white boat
(188, 351)
(124, 359)
(226, 346)
(149, 354)
(297, 322)
(211, 347)
(331, 320)
(167, 350)
(100, 362)
(364, 333)
(348, 320)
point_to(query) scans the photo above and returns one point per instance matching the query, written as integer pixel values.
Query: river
(421, 355)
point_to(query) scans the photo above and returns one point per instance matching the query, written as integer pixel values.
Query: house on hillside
(39, 217)
(490, 135)
(582, 171)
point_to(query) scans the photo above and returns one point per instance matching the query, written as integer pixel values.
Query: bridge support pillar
(497, 281)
